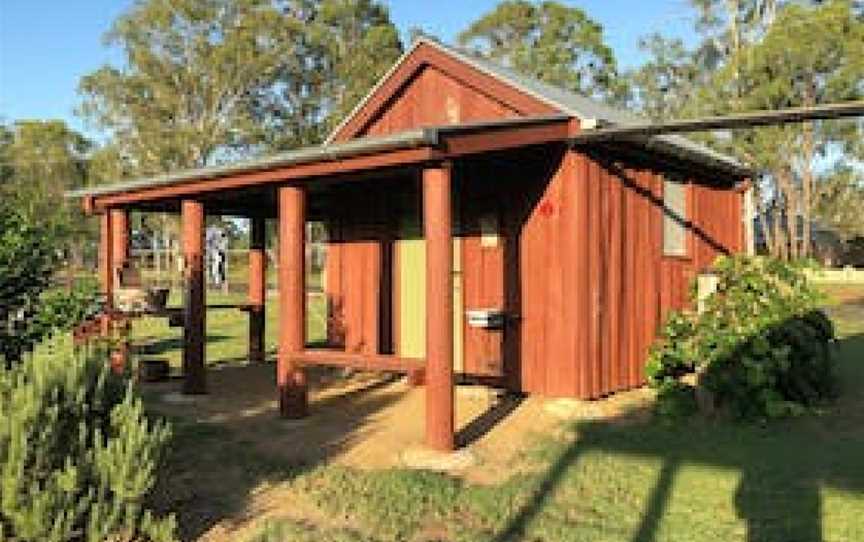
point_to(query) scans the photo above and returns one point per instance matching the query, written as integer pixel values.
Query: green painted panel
(412, 300)
(412, 297)
(458, 307)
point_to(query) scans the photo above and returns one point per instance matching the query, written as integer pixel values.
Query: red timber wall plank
(551, 244)
(483, 286)
(353, 270)
(594, 268)
(624, 284)
(435, 98)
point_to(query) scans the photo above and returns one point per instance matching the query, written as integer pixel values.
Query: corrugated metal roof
(430, 137)
(303, 155)
(571, 103)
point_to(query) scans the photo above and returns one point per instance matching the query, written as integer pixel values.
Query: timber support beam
(106, 260)
(290, 378)
(257, 289)
(119, 242)
(194, 334)
(437, 224)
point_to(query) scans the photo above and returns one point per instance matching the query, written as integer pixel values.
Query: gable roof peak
(591, 113)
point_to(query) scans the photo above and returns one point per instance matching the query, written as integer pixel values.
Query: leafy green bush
(760, 346)
(78, 457)
(29, 309)
(28, 256)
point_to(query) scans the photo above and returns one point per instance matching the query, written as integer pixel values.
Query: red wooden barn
(474, 232)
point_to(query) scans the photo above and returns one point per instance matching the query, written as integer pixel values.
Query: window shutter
(675, 217)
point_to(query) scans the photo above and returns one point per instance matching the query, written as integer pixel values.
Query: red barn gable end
(580, 271)
(428, 86)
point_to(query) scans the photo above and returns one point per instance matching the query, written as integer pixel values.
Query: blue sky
(47, 45)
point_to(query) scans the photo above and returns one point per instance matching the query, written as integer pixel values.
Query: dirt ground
(359, 420)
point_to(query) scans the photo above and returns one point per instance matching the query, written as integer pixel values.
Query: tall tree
(362, 43)
(839, 203)
(810, 55)
(193, 72)
(552, 42)
(39, 161)
(209, 81)
(662, 86)
(341, 49)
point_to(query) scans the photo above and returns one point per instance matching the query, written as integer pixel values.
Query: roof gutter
(729, 122)
(322, 153)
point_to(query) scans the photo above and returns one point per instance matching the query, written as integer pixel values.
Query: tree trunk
(808, 145)
(780, 247)
(763, 225)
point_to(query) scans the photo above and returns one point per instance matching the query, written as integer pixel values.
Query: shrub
(29, 309)
(78, 457)
(760, 345)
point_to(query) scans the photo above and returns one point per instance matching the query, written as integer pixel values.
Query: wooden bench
(414, 368)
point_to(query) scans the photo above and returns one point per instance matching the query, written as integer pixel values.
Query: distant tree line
(204, 82)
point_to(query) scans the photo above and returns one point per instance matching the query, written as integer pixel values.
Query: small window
(675, 219)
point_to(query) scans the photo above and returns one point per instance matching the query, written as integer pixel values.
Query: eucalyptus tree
(810, 55)
(210, 81)
(550, 41)
(662, 86)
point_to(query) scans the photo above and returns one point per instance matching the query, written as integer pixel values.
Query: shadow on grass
(233, 442)
(783, 467)
(164, 345)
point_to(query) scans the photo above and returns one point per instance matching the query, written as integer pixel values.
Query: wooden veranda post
(192, 217)
(257, 289)
(119, 242)
(292, 301)
(439, 306)
(106, 276)
(119, 256)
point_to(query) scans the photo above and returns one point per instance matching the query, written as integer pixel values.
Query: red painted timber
(582, 299)
(257, 288)
(366, 362)
(438, 77)
(572, 184)
(437, 223)
(293, 396)
(119, 239)
(614, 279)
(594, 269)
(300, 172)
(192, 217)
(106, 276)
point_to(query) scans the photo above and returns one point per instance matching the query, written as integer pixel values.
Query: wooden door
(483, 288)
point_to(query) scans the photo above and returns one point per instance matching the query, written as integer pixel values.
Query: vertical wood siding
(435, 98)
(596, 285)
(353, 272)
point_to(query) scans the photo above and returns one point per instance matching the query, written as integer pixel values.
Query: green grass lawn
(611, 480)
(227, 330)
(799, 480)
